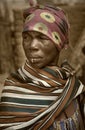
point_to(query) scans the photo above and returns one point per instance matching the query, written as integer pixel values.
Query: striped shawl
(32, 99)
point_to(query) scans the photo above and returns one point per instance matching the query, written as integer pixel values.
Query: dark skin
(40, 52)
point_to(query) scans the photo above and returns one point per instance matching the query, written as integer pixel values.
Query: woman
(41, 95)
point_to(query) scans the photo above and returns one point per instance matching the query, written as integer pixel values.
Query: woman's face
(39, 49)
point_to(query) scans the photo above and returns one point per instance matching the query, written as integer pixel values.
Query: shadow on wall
(11, 52)
(82, 78)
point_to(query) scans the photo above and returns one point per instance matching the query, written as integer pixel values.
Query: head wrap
(49, 21)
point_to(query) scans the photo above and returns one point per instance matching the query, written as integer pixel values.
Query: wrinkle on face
(39, 49)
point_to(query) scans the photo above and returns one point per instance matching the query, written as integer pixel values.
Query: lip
(35, 59)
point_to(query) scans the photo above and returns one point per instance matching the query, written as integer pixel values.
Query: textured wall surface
(11, 24)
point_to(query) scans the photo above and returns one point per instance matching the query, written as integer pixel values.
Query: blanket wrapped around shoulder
(32, 98)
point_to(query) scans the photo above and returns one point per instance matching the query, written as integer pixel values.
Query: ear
(33, 3)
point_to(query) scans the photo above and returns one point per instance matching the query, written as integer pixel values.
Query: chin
(38, 66)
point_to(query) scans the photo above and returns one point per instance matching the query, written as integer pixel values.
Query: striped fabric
(71, 123)
(32, 99)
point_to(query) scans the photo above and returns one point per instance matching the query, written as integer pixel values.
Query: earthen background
(11, 24)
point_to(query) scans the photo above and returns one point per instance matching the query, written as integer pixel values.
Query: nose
(34, 44)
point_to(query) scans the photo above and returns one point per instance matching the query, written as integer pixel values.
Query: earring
(66, 46)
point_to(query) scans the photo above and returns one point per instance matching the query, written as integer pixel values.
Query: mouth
(35, 59)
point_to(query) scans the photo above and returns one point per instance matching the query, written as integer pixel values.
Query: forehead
(34, 33)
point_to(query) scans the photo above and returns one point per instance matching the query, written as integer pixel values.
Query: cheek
(48, 50)
(26, 49)
(46, 55)
(25, 45)
(50, 53)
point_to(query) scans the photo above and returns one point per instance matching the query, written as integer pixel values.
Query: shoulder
(13, 78)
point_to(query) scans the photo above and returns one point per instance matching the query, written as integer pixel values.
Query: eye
(26, 37)
(42, 37)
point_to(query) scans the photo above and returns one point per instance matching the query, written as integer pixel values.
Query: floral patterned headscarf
(49, 21)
